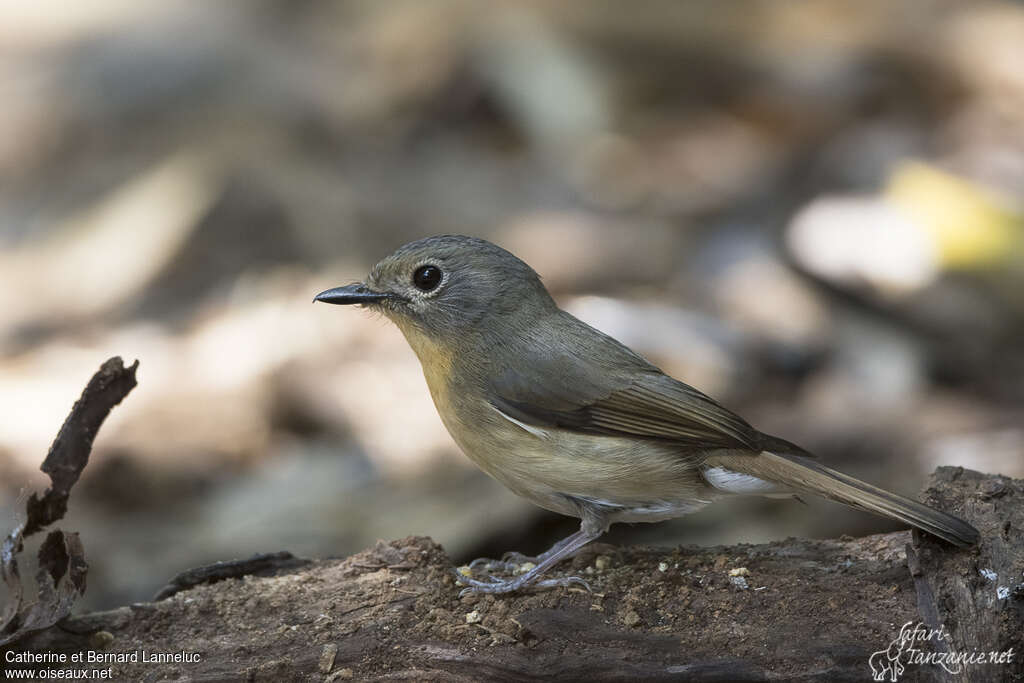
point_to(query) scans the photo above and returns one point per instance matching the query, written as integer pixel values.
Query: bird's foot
(511, 562)
(493, 585)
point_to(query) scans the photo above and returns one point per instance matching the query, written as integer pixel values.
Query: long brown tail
(805, 475)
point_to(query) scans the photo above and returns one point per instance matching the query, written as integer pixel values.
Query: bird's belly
(630, 480)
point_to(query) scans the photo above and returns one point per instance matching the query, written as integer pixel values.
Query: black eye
(427, 278)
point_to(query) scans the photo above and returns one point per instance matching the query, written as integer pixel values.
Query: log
(799, 609)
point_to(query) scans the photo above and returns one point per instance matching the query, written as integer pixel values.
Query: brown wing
(644, 404)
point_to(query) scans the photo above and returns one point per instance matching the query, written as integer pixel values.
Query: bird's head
(446, 289)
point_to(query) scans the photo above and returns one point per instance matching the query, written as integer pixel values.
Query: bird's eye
(427, 278)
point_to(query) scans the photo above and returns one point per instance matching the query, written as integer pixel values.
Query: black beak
(351, 294)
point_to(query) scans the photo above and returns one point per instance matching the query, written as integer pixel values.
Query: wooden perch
(795, 609)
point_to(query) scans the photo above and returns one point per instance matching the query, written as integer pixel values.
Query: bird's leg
(590, 529)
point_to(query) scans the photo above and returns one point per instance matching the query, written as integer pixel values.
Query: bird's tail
(801, 474)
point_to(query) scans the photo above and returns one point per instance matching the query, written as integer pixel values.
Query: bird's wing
(644, 403)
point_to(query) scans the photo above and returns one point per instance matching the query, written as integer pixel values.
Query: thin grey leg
(590, 529)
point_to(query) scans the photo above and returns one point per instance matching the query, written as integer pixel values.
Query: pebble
(327, 656)
(101, 639)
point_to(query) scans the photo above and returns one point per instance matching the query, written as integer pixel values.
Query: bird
(574, 421)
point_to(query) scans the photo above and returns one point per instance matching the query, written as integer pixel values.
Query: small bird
(574, 421)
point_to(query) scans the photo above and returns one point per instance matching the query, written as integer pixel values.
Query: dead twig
(62, 566)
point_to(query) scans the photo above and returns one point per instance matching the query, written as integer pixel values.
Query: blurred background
(810, 210)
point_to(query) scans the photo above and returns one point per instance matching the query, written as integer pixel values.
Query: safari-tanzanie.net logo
(918, 645)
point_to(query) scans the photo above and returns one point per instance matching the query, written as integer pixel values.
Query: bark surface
(792, 610)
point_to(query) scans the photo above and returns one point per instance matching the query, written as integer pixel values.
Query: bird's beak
(351, 294)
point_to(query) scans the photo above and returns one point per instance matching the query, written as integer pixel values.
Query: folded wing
(649, 405)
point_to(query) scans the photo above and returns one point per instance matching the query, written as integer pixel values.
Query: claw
(565, 581)
(477, 586)
(496, 586)
(462, 576)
